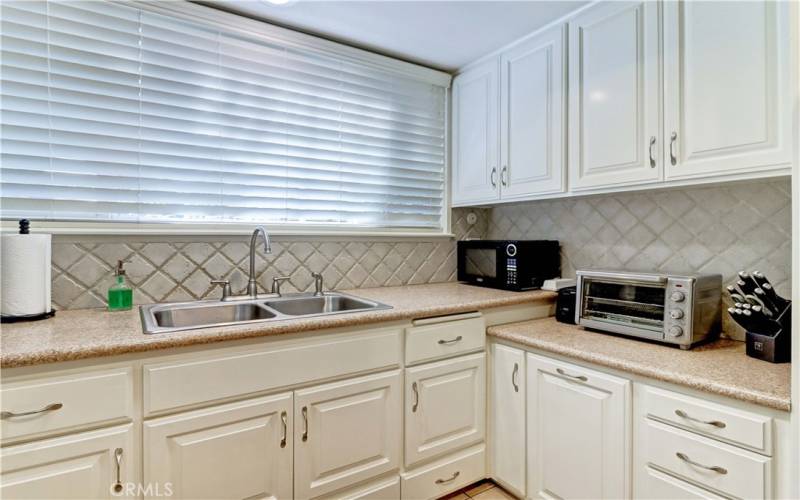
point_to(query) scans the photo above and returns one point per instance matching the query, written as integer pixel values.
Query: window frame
(189, 11)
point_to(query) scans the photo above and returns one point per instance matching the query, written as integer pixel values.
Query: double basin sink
(163, 318)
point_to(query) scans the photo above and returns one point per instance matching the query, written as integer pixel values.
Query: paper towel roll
(25, 274)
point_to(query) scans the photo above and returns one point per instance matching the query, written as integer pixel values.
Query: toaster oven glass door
(629, 303)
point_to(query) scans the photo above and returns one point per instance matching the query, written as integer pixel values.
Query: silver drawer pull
(118, 457)
(449, 479)
(51, 407)
(582, 378)
(285, 426)
(715, 468)
(416, 397)
(514, 377)
(304, 411)
(715, 423)
(451, 341)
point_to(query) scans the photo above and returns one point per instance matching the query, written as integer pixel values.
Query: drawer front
(657, 485)
(182, 383)
(720, 422)
(443, 476)
(65, 402)
(440, 338)
(739, 473)
(383, 489)
(445, 407)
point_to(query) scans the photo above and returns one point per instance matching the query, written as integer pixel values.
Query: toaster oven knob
(676, 331)
(677, 296)
(676, 314)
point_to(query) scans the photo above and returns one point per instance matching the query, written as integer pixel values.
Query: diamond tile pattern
(177, 270)
(719, 229)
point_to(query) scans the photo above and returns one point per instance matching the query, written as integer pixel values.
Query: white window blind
(114, 112)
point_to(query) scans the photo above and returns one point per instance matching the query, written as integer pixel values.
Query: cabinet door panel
(81, 466)
(614, 95)
(445, 406)
(228, 451)
(346, 432)
(579, 426)
(508, 417)
(532, 109)
(475, 135)
(727, 86)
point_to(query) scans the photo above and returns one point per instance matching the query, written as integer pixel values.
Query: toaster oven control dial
(677, 296)
(675, 331)
(676, 314)
(511, 250)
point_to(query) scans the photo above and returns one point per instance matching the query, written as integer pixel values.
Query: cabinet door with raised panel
(532, 107)
(347, 432)
(727, 82)
(475, 135)
(81, 466)
(579, 432)
(614, 98)
(445, 406)
(508, 417)
(237, 450)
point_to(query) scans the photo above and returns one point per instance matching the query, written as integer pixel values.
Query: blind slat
(112, 112)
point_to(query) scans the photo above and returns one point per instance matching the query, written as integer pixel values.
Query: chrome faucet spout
(252, 285)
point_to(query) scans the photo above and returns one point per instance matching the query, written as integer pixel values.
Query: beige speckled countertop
(720, 367)
(90, 333)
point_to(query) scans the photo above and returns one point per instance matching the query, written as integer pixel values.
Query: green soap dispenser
(120, 295)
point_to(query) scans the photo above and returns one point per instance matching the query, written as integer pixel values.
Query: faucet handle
(276, 284)
(226, 287)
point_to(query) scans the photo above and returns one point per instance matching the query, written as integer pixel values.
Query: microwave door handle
(641, 278)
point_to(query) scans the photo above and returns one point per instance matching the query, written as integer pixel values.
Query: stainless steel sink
(304, 306)
(163, 318)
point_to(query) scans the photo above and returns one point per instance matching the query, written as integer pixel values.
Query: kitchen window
(150, 113)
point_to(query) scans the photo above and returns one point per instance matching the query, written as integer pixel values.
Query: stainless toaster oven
(682, 310)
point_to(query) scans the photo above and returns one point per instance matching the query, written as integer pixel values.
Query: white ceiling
(444, 35)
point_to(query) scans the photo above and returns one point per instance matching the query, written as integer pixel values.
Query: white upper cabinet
(614, 95)
(727, 83)
(475, 135)
(532, 108)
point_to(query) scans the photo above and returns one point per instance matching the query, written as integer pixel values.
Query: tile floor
(482, 490)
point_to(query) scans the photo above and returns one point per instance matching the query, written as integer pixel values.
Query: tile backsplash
(718, 229)
(176, 269)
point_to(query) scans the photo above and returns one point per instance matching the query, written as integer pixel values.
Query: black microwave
(508, 264)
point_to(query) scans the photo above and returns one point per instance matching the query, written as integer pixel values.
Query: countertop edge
(713, 387)
(157, 342)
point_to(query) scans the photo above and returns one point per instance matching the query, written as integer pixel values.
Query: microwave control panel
(511, 264)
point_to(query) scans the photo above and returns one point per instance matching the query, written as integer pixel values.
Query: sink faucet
(252, 285)
(317, 284)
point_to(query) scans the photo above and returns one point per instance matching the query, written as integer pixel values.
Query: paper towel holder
(24, 228)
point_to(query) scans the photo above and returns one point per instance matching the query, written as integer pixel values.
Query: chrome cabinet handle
(715, 423)
(285, 426)
(451, 341)
(504, 175)
(304, 411)
(118, 458)
(51, 407)
(715, 468)
(582, 378)
(652, 155)
(416, 397)
(672, 158)
(514, 377)
(451, 478)
(493, 177)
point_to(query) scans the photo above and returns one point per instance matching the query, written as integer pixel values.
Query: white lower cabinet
(346, 432)
(238, 450)
(445, 475)
(579, 431)
(445, 407)
(82, 466)
(507, 408)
